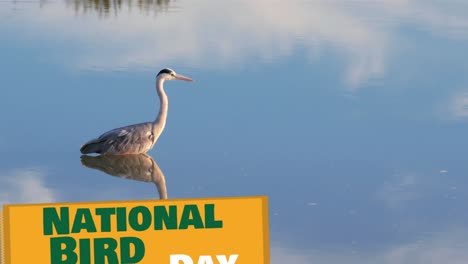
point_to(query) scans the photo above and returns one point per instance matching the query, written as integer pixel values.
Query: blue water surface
(350, 115)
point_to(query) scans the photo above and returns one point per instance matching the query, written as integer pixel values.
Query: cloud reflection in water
(441, 247)
(212, 33)
(26, 186)
(458, 107)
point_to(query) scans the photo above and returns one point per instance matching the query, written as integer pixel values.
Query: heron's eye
(172, 74)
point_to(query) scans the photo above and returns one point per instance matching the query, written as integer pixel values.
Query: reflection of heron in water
(140, 167)
(138, 138)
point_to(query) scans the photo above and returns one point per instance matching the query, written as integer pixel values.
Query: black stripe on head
(166, 70)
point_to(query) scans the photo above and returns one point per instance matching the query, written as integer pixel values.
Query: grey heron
(138, 138)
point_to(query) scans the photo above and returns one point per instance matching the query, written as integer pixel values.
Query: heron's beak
(183, 78)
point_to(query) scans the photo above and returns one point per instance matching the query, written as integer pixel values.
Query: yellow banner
(195, 231)
(2, 259)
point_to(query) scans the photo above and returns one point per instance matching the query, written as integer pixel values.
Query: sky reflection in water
(349, 115)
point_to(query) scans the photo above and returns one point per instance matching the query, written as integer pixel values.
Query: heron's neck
(163, 106)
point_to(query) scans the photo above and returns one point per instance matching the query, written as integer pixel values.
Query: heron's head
(169, 74)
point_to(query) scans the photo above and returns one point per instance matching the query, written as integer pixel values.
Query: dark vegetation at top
(113, 7)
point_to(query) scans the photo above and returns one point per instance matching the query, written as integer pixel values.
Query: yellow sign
(2, 259)
(195, 231)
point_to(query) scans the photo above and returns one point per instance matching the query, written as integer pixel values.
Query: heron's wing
(118, 132)
(131, 138)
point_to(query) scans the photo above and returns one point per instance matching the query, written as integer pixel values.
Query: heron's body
(138, 138)
(133, 139)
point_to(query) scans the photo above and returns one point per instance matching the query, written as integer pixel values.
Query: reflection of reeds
(105, 7)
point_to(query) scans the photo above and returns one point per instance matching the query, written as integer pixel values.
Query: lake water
(352, 116)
